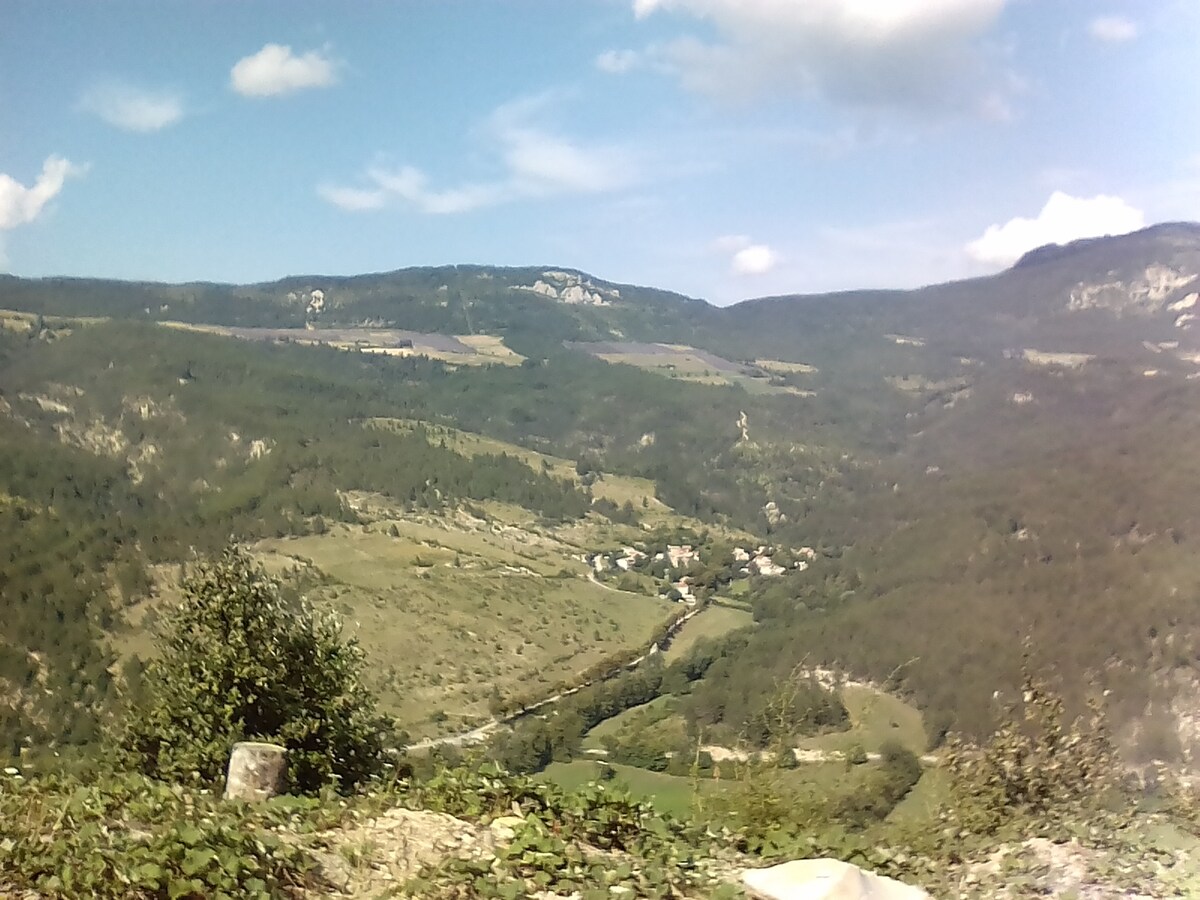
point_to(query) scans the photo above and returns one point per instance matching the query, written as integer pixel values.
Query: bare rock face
(375, 858)
(825, 879)
(256, 771)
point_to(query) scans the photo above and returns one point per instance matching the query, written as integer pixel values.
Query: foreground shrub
(125, 836)
(235, 662)
(1038, 767)
(593, 841)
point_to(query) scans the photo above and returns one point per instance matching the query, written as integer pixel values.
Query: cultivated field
(679, 361)
(463, 350)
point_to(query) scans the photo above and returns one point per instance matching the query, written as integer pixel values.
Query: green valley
(794, 547)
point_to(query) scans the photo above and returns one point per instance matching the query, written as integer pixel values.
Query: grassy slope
(449, 613)
(875, 719)
(712, 622)
(620, 489)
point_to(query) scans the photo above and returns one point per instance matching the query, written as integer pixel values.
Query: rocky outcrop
(567, 287)
(1149, 292)
(825, 879)
(377, 857)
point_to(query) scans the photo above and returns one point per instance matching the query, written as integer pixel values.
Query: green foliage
(881, 790)
(754, 691)
(236, 663)
(1037, 768)
(124, 836)
(535, 742)
(594, 840)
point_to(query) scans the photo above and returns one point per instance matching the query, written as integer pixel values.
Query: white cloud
(746, 257)
(132, 108)
(1113, 29)
(874, 53)
(276, 70)
(353, 199)
(1063, 219)
(535, 163)
(618, 62)
(757, 259)
(20, 204)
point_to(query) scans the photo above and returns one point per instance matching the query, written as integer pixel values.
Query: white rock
(256, 771)
(504, 828)
(825, 879)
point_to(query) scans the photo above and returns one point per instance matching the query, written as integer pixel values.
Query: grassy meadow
(711, 622)
(454, 612)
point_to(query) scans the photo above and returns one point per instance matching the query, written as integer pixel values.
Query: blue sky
(721, 148)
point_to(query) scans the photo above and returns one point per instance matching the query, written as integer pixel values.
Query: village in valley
(689, 573)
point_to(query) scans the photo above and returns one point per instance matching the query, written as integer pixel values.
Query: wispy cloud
(1063, 219)
(900, 54)
(275, 70)
(132, 108)
(20, 205)
(618, 62)
(1113, 29)
(535, 162)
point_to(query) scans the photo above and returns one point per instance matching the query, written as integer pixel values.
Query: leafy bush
(123, 836)
(594, 841)
(237, 663)
(881, 790)
(1037, 766)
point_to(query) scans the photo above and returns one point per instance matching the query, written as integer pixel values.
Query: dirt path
(723, 754)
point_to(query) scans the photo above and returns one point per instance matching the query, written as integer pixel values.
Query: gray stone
(256, 771)
(825, 879)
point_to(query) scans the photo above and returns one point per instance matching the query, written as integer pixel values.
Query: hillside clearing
(712, 622)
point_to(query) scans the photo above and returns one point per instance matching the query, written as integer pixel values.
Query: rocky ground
(379, 857)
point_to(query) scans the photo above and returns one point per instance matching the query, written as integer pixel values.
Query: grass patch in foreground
(702, 798)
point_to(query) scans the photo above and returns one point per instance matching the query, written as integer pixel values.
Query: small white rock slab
(825, 879)
(256, 771)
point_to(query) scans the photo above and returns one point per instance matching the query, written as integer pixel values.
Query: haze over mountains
(977, 463)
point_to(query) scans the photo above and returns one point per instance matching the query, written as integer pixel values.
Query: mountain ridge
(1044, 254)
(1078, 295)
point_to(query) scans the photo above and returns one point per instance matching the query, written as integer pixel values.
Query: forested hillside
(974, 465)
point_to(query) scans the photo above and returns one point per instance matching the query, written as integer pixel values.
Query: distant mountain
(1102, 296)
(1099, 296)
(543, 303)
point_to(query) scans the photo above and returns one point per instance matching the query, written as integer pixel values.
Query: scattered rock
(381, 854)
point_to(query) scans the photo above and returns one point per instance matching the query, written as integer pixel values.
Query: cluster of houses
(678, 558)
